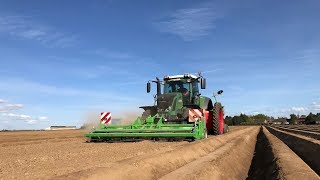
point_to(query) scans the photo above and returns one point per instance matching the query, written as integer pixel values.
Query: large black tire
(144, 116)
(216, 111)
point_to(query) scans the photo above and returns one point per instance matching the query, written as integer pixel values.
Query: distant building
(301, 120)
(61, 127)
(260, 121)
(279, 121)
(303, 116)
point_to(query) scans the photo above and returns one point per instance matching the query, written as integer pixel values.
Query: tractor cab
(186, 84)
(180, 92)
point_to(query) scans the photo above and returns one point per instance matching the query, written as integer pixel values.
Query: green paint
(150, 130)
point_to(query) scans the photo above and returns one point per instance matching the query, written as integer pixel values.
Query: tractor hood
(166, 100)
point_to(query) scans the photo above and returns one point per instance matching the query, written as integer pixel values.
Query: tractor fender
(152, 110)
(207, 105)
(148, 107)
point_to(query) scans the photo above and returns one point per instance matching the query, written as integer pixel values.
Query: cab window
(195, 89)
(175, 86)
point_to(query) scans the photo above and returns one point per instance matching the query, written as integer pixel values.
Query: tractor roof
(178, 77)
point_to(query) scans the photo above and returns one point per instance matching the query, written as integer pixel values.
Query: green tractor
(180, 112)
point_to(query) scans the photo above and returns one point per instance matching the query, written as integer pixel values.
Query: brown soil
(310, 128)
(263, 164)
(288, 164)
(229, 161)
(48, 154)
(155, 166)
(65, 155)
(306, 148)
(304, 132)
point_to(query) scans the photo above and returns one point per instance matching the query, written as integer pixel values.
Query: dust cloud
(92, 118)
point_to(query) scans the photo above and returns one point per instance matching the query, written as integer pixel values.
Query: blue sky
(62, 62)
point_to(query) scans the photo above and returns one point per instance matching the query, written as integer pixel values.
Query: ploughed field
(246, 152)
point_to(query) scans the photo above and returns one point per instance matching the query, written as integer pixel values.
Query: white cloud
(2, 101)
(16, 116)
(31, 121)
(298, 109)
(9, 114)
(255, 113)
(22, 27)
(315, 106)
(10, 107)
(22, 117)
(33, 34)
(292, 110)
(43, 118)
(190, 24)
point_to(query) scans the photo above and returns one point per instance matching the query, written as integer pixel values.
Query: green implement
(138, 130)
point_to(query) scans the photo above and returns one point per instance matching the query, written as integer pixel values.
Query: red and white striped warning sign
(195, 115)
(105, 117)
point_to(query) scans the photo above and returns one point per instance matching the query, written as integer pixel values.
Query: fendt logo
(105, 117)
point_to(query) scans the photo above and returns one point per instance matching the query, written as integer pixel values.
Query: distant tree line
(259, 119)
(244, 119)
(312, 118)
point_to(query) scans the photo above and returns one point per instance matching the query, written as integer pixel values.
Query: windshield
(176, 86)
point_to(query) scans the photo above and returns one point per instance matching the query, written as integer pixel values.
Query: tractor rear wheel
(217, 110)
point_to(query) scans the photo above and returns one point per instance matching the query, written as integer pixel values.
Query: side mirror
(220, 92)
(203, 83)
(148, 87)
